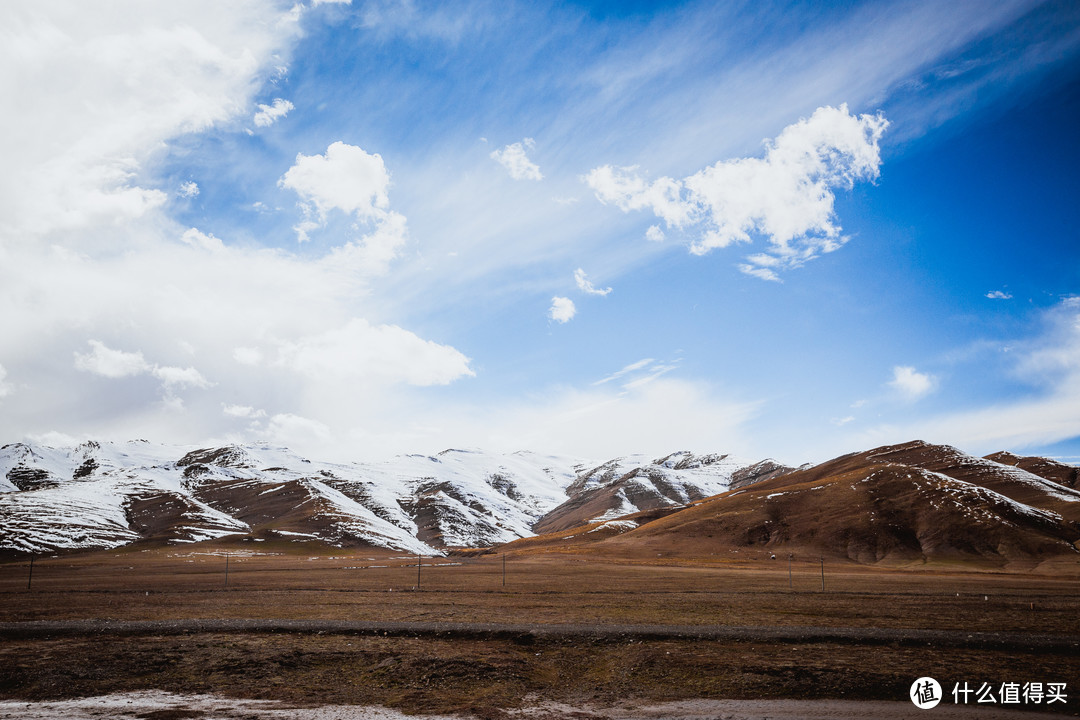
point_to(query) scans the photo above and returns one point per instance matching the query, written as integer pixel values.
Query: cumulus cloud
(346, 178)
(360, 351)
(562, 309)
(105, 361)
(188, 190)
(517, 163)
(786, 197)
(999, 295)
(654, 234)
(910, 383)
(585, 286)
(624, 188)
(270, 114)
(98, 89)
(355, 182)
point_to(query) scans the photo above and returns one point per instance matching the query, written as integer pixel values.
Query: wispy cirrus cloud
(586, 286)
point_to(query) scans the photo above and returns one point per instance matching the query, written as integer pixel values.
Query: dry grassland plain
(355, 628)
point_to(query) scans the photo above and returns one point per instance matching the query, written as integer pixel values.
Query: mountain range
(102, 495)
(896, 504)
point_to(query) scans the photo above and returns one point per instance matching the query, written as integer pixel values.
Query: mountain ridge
(112, 494)
(893, 504)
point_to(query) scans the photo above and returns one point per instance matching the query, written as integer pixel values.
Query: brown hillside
(1068, 475)
(898, 504)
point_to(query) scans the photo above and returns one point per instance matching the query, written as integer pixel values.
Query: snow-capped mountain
(106, 495)
(634, 483)
(111, 494)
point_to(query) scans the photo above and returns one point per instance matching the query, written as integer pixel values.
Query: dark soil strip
(523, 634)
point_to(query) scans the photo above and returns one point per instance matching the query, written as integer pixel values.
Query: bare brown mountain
(1060, 473)
(897, 504)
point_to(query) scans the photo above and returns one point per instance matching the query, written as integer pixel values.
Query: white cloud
(763, 273)
(654, 234)
(998, 295)
(562, 309)
(88, 250)
(587, 287)
(513, 158)
(202, 241)
(242, 411)
(910, 383)
(5, 388)
(349, 179)
(786, 197)
(104, 361)
(359, 351)
(346, 178)
(180, 377)
(624, 188)
(99, 89)
(270, 114)
(632, 367)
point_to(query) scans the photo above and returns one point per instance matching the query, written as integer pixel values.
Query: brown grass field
(486, 676)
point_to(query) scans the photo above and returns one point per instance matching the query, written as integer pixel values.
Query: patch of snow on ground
(620, 525)
(151, 703)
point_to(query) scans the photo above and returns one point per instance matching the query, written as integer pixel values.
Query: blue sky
(375, 227)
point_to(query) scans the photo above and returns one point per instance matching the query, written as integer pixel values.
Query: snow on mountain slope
(463, 497)
(106, 495)
(110, 494)
(635, 483)
(83, 497)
